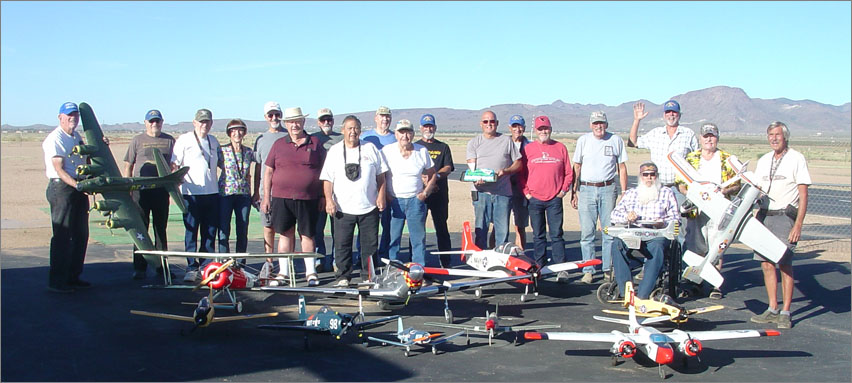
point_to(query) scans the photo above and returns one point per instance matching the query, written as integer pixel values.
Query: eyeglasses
(649, 174)
(489, 121)
(273, 115)
(324, 119)
(155, 120)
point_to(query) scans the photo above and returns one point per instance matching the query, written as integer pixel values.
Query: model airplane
(203, 315)
(492, 326)
(396, 285)
(652, 342)
(665, 306)
(329, 322)
(634, 234)
(407, 337)
(104, 178)
(474, 175)
(733, 218)
(504, 260)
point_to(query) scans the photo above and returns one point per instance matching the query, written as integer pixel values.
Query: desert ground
(26, 220)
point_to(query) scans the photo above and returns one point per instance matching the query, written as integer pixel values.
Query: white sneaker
(342, 283)
(280, 280)
(191, 276)
(562, 277)
(313, 280)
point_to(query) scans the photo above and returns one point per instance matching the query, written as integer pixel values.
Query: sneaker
(280, 280)
(784, 321)
(716, 294)
(562, 277)
(342, 283)
(607, 276)
(79, 284)
(60, 289)
(766, 317)
(319, 265)
(587, 278)
(313, 280)
(139, 275)
(191, 276)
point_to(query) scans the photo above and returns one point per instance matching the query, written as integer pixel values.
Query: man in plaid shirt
(649, 204)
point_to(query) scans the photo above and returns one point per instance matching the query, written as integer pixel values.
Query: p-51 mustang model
(329, 322)
(395, 286)
(492, 326)
(504, 260)
(633, 235)
(733, 219)
(653, 342)
(663, 307)
(104, 178)
(407, 337)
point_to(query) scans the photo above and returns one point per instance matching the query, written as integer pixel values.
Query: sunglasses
(273, 115)
(155, 120)
(649, 174)
(489, 121)
(324, 119)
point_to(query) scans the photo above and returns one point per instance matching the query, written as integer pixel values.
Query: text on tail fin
(303, 310)
(467, 239)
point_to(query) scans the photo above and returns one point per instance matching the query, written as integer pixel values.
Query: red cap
(542, 121)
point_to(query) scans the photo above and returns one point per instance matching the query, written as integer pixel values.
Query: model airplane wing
(446, 339)
(702, 310)
(164, 316)
(243, 317)
(759, 238)
(566, 266)
(605, 337)
(680, 336)
(531, 327)
(287, 327)
(466, 327)
(464, 272)
(373, 323)
(464, 285)
(219, 256)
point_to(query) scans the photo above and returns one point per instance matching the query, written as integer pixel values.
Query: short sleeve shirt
(59, 144)
(496, 154)
(296, 168)
(441, 156)
(202, 157)
(404, 180)
(356, 197)
(660, 145)
(377, 139)
(140, 153)
(600, 157)
(262, 145)
(783, 187)
(236, 167)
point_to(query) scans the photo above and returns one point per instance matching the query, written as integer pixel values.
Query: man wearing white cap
(381, 136)
(292, 191)
(327, 137)
(262, 144)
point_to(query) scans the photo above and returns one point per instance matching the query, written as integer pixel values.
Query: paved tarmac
(90, 336)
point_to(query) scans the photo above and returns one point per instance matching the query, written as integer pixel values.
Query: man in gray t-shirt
(262, 145)
(492, 200)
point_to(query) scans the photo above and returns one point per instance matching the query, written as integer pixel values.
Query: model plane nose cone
(489, 324)
(416, 272)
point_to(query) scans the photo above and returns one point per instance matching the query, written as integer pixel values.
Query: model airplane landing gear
(662, 373)
(614, 360)
(434, 350)
(478, 292)
(448, 314)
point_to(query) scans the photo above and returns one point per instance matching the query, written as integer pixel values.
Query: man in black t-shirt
(438, 202)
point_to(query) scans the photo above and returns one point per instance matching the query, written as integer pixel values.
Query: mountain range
(731, 109)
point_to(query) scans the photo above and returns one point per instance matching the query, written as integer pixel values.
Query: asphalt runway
(90, 336)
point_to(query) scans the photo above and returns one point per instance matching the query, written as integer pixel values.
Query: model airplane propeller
(492, 326)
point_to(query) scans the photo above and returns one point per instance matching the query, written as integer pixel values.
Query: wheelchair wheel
(607, 292)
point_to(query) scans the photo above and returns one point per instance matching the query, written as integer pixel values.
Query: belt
(669, 185)
(772, 212)
(598, 184)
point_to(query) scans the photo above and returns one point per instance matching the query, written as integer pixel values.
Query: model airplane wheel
(239, 307)
(448, 315)
(657, 293)
(607, 292)
(614, 360)
(478, 293)
(523, 298)
(434, 350)
(407, 352)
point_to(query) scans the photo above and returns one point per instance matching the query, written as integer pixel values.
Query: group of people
(363, 179)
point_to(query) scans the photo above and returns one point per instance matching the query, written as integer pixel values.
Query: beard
(325, 129)
(275, 125)
(648, 194)
(428, 136)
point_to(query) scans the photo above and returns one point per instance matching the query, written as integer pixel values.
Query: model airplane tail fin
(174, 178)
(303, 310)
(628, 293)
(631, 310)
(399, 328)
(467, 240)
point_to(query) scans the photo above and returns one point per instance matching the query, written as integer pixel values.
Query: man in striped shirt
(648, 204)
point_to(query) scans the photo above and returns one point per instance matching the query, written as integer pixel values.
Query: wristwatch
(438, 175)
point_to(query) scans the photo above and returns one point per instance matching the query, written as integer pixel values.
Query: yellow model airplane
(655, 308)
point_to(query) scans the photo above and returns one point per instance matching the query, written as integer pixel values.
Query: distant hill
(729, 108)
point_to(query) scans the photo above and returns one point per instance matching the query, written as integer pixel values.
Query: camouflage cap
(383, 110)
(203, 115)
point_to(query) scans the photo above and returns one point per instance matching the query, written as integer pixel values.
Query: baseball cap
(518, 119)
(270, 106)
(671, 105)
(710, 129)
(324, 112)
(542, 121)
(598, 116)
(68, 108)
(383, 110)
(203, 115)
(152, 114)
(427, 119)
(404, 125)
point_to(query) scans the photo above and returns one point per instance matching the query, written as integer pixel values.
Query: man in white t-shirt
(200, 188)
(407, 191)
(353, 178)
(783, 175)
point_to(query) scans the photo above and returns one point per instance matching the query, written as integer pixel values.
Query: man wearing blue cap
(520, 204)
(439, 201)
(139, 162)
(69, 208)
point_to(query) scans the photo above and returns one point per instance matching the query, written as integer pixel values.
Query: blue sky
(124, 58)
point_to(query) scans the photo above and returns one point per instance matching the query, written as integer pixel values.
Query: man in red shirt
(292, 190)
(550, 176)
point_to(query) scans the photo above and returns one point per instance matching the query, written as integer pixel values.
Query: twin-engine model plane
(733, 219)
(396, 285)
(407, 337)
(653, 343)
(103, 177)
(492, 326)
(327, 321)
(656, 308)
(504, 260)
(203, 315)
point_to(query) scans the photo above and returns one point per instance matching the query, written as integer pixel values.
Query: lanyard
(205, 155)
(344, 154)
(242, 161)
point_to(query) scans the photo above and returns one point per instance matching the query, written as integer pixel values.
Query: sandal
(312, 280)
(280, 280)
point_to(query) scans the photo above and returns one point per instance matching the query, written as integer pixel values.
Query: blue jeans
(237, 205)
(202, 214)
(595, 203)
(413, 211)
(552, 212)
(653, 250)
(319, 239)
(491, 209)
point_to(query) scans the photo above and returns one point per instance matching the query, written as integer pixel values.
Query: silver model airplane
(409, 336)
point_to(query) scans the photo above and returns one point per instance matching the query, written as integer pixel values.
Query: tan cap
(404, 125)
(324, 112)
(291, 114)
(203, 115)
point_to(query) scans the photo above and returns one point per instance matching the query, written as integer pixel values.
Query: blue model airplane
(410, 336)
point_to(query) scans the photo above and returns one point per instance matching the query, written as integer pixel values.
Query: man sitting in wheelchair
(650, 204)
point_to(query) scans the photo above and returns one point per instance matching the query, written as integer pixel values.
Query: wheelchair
(667, 284)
